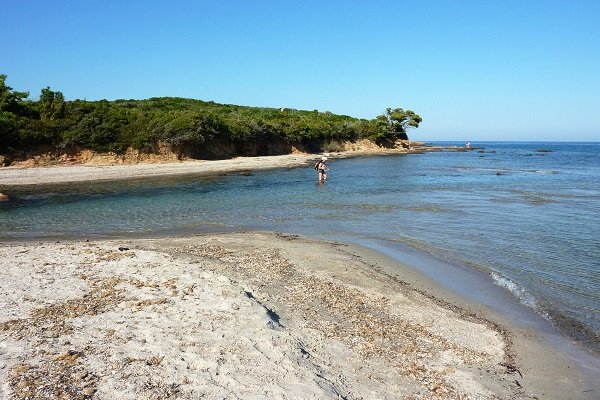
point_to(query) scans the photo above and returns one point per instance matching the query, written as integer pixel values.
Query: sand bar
(13, 176)
(62, 173)
(249, 315)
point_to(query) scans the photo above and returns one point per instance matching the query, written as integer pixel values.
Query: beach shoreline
(13, 176)
(328, 319)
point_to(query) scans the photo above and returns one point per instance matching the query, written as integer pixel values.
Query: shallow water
(529, 219)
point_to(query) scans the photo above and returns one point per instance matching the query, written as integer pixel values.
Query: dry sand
(249, 316)
(11, 176)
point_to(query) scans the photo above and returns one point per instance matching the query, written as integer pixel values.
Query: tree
(10, 111)
(52, 104)
(10, 100)
(401, 120)
(393, 125)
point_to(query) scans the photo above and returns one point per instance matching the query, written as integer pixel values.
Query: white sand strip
(80, 173)
(254, 315)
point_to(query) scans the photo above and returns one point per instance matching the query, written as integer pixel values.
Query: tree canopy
(183, 123)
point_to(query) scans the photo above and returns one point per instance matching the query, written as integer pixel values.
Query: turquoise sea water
(529, 220)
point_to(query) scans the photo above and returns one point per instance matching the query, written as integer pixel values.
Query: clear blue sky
(478, 70)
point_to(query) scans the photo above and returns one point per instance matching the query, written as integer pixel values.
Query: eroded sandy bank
(246, 315)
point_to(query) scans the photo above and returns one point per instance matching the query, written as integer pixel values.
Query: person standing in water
(322, 169)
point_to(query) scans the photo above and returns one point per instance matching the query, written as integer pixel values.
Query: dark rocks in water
(544, 151)
(481, 151)
(4, 197)
(246, 173)
(498, 173)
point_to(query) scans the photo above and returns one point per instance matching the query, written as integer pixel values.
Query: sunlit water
(530, 220)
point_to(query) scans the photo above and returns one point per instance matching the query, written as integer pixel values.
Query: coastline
(26, 174)
(544, 368)
(213, 314)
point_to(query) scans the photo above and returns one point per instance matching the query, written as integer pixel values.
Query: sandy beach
(107, 168)
(249, 315)
(12, 176)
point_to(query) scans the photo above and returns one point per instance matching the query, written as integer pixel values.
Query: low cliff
(164, 153)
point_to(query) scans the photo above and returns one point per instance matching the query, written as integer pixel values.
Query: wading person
(322, 169)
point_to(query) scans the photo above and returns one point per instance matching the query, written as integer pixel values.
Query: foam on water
(521, 294)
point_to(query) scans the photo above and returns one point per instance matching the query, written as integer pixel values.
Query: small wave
(504, 170)
(376, 207)
(428, 208)
(534, 197)
(538, 200)
(524, 297)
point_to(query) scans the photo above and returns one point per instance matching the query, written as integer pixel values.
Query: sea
(511, 225)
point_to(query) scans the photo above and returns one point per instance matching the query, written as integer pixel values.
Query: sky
(473, 70)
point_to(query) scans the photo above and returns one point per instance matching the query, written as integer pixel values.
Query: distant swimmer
(468, 145)
(322, 169)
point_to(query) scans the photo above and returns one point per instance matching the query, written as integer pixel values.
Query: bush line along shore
(187, 127)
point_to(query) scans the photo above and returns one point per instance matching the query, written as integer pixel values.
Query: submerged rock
(4, 197)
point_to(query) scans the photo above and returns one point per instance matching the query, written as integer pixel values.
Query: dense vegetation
(189, 126)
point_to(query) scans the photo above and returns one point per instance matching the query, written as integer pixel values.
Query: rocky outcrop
(360, 145)
(4, 197)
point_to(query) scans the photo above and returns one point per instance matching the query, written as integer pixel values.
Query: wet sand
(251, 315)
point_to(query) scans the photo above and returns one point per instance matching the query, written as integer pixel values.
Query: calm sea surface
(527, 219)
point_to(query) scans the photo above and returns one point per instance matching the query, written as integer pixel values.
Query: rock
(4, 197)
(2, 161)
